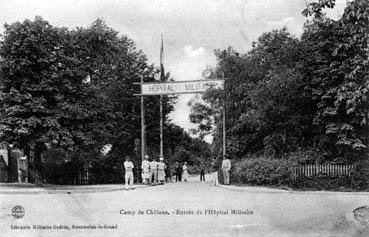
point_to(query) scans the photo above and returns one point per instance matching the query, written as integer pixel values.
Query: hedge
(263, 171)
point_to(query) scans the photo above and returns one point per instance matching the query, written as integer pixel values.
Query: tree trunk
(27, 152)
(38, 168)
(12, 167)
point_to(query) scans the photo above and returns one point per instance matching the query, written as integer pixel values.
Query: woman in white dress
(185, 172)
(145, 170)
(161, 171)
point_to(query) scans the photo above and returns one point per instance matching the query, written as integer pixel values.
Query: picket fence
(325, 169)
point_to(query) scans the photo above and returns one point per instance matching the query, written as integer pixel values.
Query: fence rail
(325, 169)
(82, 176)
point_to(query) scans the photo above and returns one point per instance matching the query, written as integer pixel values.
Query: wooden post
(161, 127)
(224, 121)
(143, 128)
(162, 77)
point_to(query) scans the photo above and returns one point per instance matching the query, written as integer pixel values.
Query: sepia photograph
(193, 118)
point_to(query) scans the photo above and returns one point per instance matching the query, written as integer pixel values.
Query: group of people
(226, 167)
(181, 172)
(154, 172)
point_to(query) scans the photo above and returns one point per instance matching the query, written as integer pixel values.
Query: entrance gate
(176, 87)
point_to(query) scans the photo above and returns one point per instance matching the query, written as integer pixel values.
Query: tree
(287, 93)
(41, 84)
(72, 91)
(45, 100)
(263, 102)
(113, 66)
(338, 74)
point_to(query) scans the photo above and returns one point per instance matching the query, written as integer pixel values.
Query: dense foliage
(263, 171)
(72, 91)
(269, 171)
(291, 94)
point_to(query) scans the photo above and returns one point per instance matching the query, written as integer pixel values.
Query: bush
(279, 172)
(62, 169)
(109, 169)
(308, 156)
(263, 171)
(360, 175)
(358, 180)
(323, 182)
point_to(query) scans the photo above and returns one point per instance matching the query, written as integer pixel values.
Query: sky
(192, 29)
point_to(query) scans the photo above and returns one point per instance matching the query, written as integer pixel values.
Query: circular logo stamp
(157, 76)
(18, 212)
(207, 73)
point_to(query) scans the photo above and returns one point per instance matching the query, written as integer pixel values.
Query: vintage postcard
(184, 118)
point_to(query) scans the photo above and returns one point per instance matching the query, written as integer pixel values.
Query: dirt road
(183, 209)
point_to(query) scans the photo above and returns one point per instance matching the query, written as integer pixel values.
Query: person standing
(202, 171)
(128, 166)
(214, 174)
(168, 173)
(185, 172)
(145, 170)
(178, 171)
(226, 167)
(161, 171)
(154, 171)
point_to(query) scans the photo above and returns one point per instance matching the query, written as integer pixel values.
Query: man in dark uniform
(202, 171)
(178, 171)
(168, 173)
